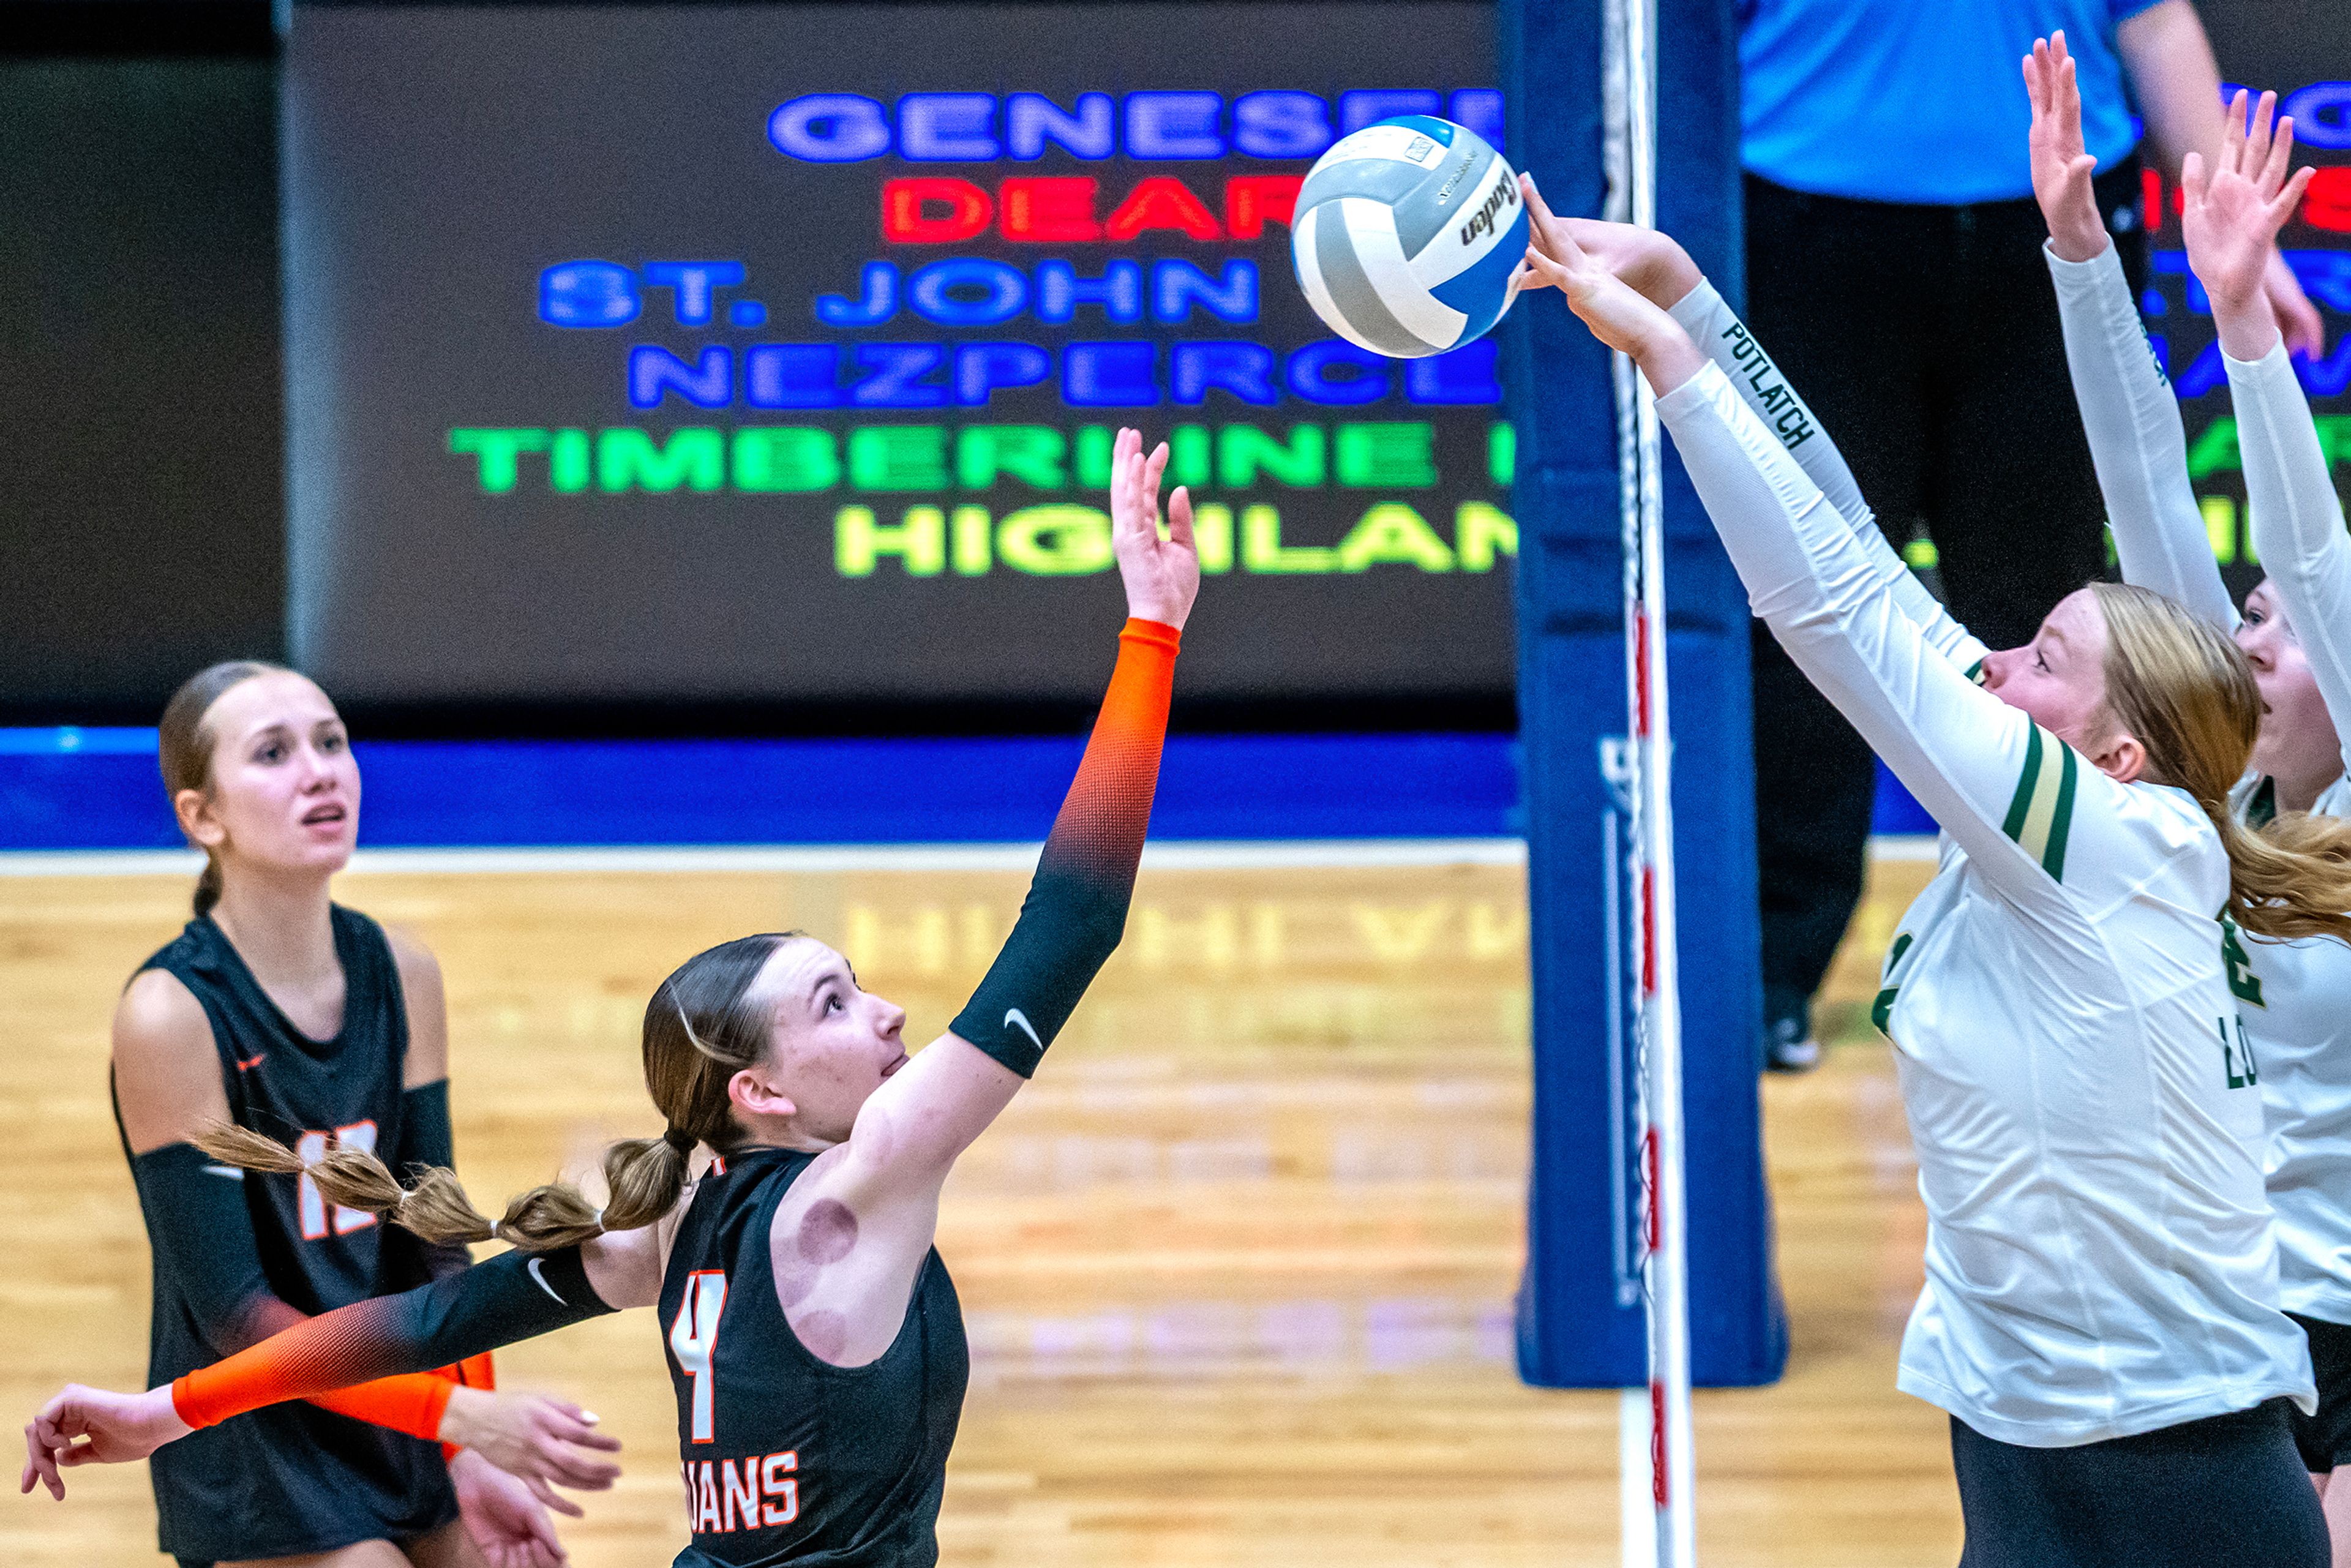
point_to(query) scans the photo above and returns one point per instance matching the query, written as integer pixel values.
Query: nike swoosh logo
(257, 1060)
(533, 1267)
(1014, 1015)
(229, 1171)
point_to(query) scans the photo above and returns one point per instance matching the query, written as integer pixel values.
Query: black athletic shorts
(2324, 1439)
(2227, 1492)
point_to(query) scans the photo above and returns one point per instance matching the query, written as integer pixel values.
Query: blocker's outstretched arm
(2006, 789)
(2137, 441)
(1656, 267)
(2233, 210)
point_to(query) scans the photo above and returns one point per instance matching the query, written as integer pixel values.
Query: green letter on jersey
(2244, 984)
(2237, 1062)
(1881, 1011)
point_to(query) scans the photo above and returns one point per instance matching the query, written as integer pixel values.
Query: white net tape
(1656, 1451)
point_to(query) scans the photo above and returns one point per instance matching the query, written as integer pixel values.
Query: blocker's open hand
(2233, 213)
(1162, 573)
(1654, 263)
(2062, 168)
(1616, 312)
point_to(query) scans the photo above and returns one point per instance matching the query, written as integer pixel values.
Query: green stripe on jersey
(1976, 671)
(1881, 1011)
(2022, 804)
(2041, 816)
(2061, 820)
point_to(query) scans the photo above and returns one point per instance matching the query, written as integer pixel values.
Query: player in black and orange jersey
(812, 1334)
(279, 1011)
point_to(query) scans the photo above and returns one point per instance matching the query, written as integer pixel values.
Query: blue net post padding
(1579, 1318)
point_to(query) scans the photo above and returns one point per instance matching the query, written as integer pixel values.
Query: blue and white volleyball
(1406, 234)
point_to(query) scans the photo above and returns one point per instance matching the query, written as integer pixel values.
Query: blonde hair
(2182, 688)
(702, 1027)
(185, 744)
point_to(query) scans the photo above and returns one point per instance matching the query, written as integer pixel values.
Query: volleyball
(1406, 234)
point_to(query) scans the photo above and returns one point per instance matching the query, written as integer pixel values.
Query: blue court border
(96, 789)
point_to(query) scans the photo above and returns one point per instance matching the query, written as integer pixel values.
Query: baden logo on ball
(1405, 237)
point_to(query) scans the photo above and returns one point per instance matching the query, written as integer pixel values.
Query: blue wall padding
(98, 789)
(1576, 1329)
(78, 788)
(1896, 810)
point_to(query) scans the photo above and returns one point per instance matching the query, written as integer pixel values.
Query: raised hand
(1161, 574)
(1618, 315)
(2298, 318)
(1653, 264)
(541, 1442)
(2233, 213)
(2062, 170)
(94, 1427)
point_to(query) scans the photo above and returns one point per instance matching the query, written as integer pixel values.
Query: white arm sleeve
(2135, 437)
(2297, 521)
(2007, 790)
(1753, 373)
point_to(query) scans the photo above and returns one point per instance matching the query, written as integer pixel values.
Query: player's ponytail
(348, 1176)
(2184, 690)
(702, 1027)
(2292, 879)
(185, 743)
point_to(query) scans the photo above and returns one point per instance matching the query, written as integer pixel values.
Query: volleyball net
(1656, 1451)
(1656, 1288)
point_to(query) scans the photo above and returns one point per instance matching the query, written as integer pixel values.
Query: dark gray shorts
(2226, 1491)
(2324, 1439)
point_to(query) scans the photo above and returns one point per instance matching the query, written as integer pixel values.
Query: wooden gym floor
(1237, 1268)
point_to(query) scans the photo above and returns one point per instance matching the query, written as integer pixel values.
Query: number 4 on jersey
(694, 1340)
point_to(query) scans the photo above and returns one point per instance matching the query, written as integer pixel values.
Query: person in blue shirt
(1893, 264)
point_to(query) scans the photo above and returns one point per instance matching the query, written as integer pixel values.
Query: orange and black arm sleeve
(514, 1296)
(1076, 909)
(413, 1403)
(203, 1236)
(428, 1138)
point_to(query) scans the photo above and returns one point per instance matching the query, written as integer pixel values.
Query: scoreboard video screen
(772, 353)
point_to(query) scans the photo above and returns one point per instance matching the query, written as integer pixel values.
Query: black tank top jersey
(786, 1458)
(293, 1478)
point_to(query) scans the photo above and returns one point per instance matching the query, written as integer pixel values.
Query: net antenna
(1655, 1456)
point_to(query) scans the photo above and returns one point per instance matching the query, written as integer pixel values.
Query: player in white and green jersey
(2100, 1314)
(2294, 998)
